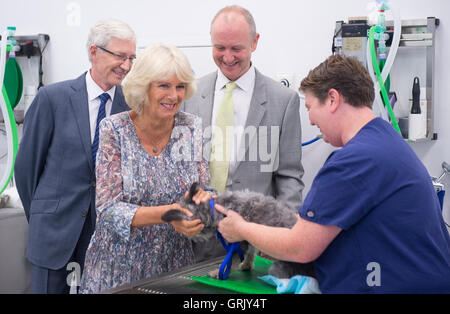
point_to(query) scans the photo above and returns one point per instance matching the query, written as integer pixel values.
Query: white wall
(295, 36)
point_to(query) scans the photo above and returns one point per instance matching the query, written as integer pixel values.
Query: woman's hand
(200, 197)
(188, 228)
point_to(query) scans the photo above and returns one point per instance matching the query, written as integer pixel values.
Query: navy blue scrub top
(394, 239)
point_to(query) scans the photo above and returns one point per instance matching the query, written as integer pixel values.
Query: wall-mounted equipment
(410, 43)
(33, 46)
(26, 46)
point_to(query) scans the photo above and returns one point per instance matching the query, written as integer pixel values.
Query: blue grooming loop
(441, 195)
(438, 186)
(231, 248)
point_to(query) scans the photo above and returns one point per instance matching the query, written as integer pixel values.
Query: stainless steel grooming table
(176, 282)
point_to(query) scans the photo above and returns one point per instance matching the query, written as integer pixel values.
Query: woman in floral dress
(146, 161)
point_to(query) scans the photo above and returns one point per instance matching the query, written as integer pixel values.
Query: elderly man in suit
(264, 152)
(55, 164)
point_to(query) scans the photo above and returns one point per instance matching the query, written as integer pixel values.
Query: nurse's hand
(230, 225)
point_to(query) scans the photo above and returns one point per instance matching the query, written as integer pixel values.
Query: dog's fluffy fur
(253, 207)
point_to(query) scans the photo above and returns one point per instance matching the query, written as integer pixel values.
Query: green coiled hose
(384, 94)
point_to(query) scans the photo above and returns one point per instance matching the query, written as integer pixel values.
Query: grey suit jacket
(54, 170)
(274, 117)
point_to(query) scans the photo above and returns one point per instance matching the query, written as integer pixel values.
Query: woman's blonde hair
(157, 62)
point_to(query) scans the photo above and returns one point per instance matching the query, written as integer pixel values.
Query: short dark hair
(345, 74)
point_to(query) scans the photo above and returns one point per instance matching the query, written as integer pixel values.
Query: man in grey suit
(55, 164)
(265, 153)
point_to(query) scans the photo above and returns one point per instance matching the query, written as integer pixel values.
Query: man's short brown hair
(345, 74)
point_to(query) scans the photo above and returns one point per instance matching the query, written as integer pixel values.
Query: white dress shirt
(93, 92)
(242, 96)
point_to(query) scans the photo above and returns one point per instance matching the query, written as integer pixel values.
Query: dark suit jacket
(272, 105)
(54, 170)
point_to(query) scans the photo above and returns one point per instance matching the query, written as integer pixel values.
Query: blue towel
(297, 284)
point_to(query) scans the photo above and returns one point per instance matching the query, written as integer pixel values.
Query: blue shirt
(393, 237)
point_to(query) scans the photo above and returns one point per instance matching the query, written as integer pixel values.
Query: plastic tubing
(389, 61)
(3, 56)
(378, 99)
(394, 46)
(318, 137)
(10, 122)
(380, 81)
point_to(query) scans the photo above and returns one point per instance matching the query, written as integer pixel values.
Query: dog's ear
(193, 190)
(174, 215)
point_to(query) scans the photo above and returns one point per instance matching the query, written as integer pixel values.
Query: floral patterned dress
(127, 178)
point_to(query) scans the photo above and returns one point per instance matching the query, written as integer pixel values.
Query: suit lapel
(79, 102)
(205, 108)
(255, 114)
(119, 103)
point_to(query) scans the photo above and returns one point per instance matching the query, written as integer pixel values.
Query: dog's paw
(214, 273)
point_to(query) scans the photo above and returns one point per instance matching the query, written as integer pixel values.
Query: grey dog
(253, 207)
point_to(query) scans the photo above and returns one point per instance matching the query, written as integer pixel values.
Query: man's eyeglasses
(122, 57)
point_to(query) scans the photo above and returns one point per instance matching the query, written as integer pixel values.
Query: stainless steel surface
(175, 282)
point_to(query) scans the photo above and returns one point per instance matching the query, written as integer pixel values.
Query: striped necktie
(101, 114)
(222, 141)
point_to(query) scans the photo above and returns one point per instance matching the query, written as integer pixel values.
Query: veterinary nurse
(371, 222)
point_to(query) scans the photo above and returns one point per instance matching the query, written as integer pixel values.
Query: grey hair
(156, 62)
(244, 12)
(102, 32)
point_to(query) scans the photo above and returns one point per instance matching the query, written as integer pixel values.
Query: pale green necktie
(222, 141)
